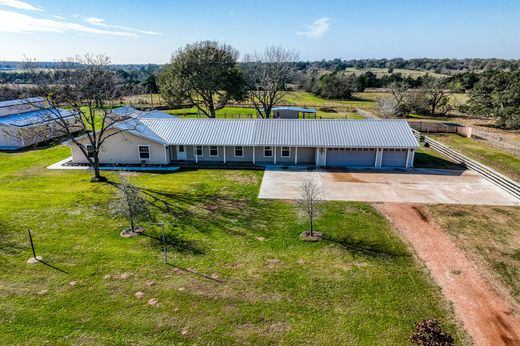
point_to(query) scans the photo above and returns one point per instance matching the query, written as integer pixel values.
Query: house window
(144, 152)
(198, 150)
(213, 151)
(239, 151)
(268, 151)
(286, 152)
(90, 150)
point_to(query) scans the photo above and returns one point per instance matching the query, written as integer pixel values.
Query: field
(490, 236)
(237, 271)
(497, 159)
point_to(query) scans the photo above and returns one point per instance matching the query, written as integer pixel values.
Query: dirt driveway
(487, 317)
(411, 186)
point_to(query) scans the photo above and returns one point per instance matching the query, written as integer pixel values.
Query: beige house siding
(122, 148)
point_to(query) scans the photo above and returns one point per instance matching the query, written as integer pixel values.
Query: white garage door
(351, 157)
(394, 158)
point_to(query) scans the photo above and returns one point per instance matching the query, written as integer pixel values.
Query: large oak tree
(205, 74)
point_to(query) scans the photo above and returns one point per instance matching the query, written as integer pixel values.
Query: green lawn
(244, 112)
(429, 158)
(237, 274)
(497, 159)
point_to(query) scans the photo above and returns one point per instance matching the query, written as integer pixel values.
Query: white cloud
(21, 23)
(316, 29)
(103, 23)
(21, 5)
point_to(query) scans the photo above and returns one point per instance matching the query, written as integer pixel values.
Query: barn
(260, 142)
(30, 121)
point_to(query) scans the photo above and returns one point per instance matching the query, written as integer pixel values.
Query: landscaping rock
(128, 233)
(139, 295)
(152, 301)
(124, 276)
(260, 238)
(150, 283)
(73, 283)
(107, 277)
(33, 260)
(43, 292)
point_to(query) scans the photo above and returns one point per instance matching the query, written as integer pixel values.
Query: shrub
(430, 333)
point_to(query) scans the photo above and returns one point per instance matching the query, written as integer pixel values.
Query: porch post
(379, 157)
(224, 148)
(166, 161)
(195, 153)
(295, 155)
(274, 155)
(254, 155)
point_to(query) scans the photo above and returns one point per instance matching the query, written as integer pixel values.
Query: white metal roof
(11, 103)
(282, 132)
(129, 111)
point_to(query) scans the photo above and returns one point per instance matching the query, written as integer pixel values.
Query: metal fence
(504, 182)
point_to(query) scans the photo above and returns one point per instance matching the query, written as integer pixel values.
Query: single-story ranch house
(30, 121)
(159, 140)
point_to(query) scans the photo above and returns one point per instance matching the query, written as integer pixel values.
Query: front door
(181, 153)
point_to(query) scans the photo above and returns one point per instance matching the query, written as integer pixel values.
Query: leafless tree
(130, 203)
(387, 106)
(398, 91)
(266, 76)
(309, 203)
(88, 89)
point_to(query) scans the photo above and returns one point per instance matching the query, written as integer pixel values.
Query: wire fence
(498, 142)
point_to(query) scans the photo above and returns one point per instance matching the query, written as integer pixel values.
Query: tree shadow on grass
(204, 209)
(366, 248)
(176, 242)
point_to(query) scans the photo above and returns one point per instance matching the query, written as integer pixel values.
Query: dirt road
(486, 316)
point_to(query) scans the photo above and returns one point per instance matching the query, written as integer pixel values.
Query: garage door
(351, 157)
(394, 158)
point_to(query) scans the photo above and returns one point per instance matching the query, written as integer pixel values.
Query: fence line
(366, 114)
(497, 141)
(504, 182)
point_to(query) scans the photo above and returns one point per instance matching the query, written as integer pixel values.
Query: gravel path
(486, 316)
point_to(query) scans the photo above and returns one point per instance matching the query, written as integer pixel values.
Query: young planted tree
(87, 87)
(205, 74)
(266, 75)
(130, 203)
(309, 203)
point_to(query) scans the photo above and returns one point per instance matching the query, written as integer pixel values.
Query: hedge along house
(30, 121)
(341, 143)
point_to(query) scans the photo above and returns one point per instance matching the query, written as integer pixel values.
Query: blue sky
(137, 31)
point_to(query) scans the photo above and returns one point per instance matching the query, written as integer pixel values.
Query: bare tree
(267, 74)
(309, 203)
(88, 87)
(398, 91)
(387, 106)
(130, 203)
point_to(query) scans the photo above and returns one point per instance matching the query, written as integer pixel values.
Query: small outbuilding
(30, 121)
(293, 113)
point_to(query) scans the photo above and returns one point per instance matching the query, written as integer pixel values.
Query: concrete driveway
(411, 186)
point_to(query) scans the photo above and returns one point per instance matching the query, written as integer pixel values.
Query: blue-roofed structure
(293, 112)
(26, 122)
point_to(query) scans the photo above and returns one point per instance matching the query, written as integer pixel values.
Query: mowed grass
(237, 271)
(497, 159)
(232, 112)
(490, 235)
